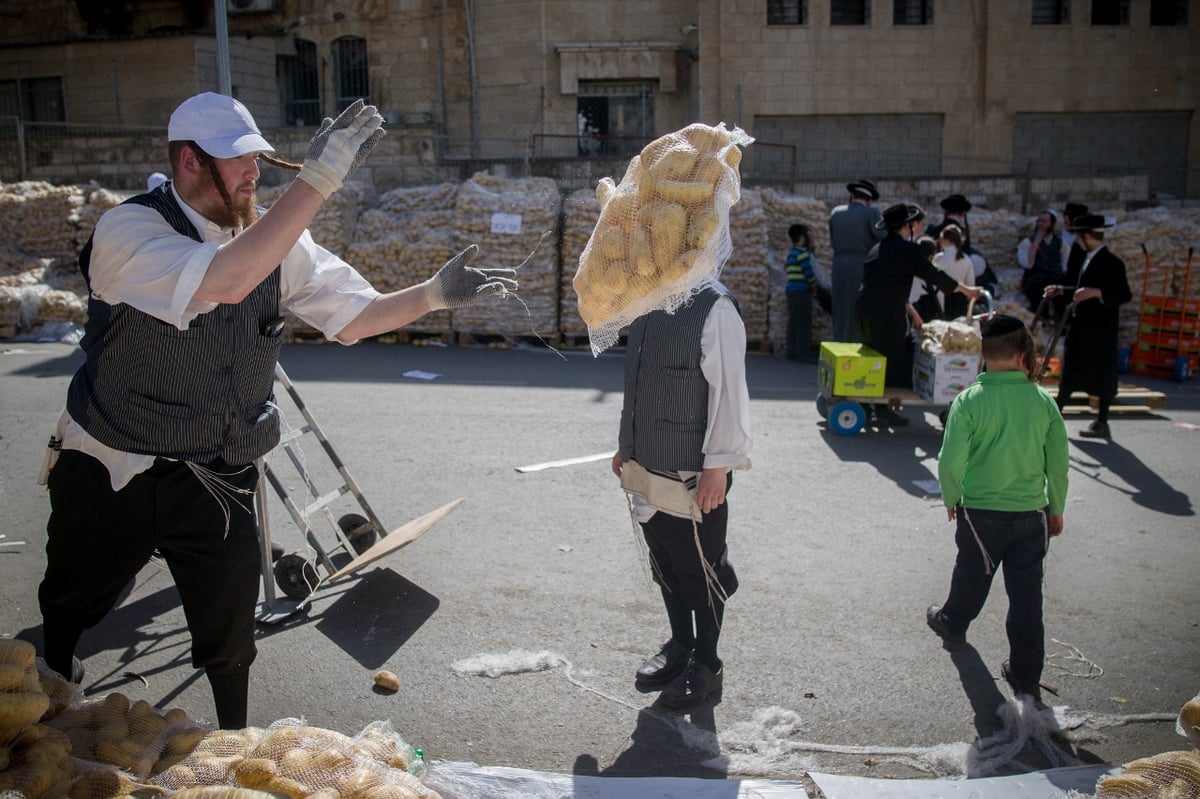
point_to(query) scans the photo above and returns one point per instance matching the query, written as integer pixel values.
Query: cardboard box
(850, 370)
(940, 377)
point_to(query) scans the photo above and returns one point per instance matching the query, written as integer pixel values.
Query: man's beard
(239, 211)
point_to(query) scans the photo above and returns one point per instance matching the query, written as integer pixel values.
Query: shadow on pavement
(1149, 490)
(664, 745)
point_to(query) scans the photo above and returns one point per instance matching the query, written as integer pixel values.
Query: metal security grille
(787, 12)
(912, 12)
(300, 85)
(350, 77)
(849, 12)
(1051, 12)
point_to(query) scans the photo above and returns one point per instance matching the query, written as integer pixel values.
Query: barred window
(1110, 12)
(299, 85)
(912, 12)
(787, 12)
(350, 77)
(1051, 12)
(1168, 12)
(33, 99)
(850, 12)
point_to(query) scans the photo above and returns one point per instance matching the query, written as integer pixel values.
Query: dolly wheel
(361, 532)
(296, 576)
(847, 417)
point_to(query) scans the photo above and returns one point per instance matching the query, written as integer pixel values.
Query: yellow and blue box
(851, 370)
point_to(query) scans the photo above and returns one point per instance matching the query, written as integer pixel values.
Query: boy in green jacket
(1003, 473)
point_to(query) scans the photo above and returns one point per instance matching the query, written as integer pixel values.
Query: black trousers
(1015, 541)
(98, 540)
(799, 328)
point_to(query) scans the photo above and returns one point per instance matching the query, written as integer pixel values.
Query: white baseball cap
(219, 124)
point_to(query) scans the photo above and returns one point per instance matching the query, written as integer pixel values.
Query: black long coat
(887, 279)
(1091, 343)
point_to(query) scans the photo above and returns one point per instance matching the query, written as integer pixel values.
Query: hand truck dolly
(357, 536)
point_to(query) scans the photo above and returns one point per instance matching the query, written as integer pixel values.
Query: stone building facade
(1040, 91)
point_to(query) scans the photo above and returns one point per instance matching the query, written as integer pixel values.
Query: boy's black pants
(1016, 542)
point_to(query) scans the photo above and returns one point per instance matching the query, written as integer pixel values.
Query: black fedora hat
(1074, 210)
(1089, 222)
(897, 215)
(863, 188)
(956, 204)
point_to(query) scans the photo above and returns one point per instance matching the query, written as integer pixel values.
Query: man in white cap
(852, 233)
(155, 451)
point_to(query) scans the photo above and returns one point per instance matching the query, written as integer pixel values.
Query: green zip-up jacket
(1004, 447)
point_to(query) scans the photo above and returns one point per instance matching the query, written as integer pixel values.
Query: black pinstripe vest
(198, 394)
(665, 412)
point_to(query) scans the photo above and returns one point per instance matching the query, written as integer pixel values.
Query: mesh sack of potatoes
(57, 305)
(939, 335)
(747, 273)
(334, 224)
(514, 221)
(38, 217)
(135, 737)
(663, 231)
(294, 760)
(581, 211)
(1168, 775)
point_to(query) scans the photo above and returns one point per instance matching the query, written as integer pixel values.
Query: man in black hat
(955, 207)
(1097, 290)
(1074, 252)
(852, 233)
(888, 274)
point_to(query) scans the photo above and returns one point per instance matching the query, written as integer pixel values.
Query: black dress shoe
(889, 417)
(1019, 688)
(697, 684)
(1096, 430)
(937, 623)
(668, 664)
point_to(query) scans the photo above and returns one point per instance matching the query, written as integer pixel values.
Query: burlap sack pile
(528, 230)
(747, 273)
(581, 210)
(406, 240)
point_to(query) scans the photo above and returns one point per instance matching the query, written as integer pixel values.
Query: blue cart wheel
(847, 417)
(1183, 369)
(822, 405)
(1123, 356)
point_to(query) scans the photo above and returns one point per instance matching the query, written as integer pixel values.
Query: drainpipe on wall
(224, 82)
(469, 6)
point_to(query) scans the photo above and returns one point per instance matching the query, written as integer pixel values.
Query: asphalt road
(538, 575)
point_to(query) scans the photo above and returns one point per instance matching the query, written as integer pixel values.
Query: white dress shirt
(140, 260)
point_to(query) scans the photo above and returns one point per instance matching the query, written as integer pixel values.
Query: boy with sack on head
(1003, 473)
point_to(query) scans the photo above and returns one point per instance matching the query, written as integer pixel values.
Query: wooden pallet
(1129, 399)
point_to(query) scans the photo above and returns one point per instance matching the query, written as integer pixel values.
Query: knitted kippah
(1000, 325)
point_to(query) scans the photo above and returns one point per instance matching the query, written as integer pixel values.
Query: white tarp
(1049, 784)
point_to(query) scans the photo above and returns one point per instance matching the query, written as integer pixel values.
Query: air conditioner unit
(249, 6)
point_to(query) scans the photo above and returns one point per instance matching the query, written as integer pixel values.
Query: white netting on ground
(663, 230)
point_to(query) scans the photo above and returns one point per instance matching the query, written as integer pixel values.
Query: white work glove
(457, 285)
(340, 146)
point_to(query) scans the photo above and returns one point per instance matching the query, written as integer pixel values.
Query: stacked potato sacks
(406, 240)
(35, 760)
(662, 232)
(581, 211)
(746, 274)
(515, 223)
(1170, 775)
(296, 761)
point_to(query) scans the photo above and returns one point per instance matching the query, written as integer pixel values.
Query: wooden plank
(397, 539)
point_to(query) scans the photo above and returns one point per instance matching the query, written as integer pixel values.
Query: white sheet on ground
(1049, 784)
(463, 780)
